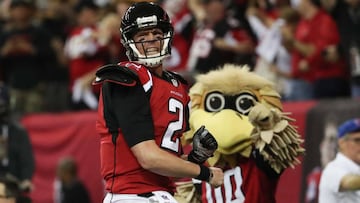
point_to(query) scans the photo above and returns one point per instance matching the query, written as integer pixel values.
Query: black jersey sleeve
(130, 107)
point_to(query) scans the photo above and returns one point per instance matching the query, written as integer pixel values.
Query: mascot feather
(256, 141)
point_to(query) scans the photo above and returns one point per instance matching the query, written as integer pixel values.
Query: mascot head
(243, 111)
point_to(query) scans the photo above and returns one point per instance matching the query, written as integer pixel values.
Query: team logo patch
(175, 82)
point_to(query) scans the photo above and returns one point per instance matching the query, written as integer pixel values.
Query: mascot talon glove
(204, 146)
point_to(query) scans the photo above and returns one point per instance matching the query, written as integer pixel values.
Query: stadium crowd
(51, 49)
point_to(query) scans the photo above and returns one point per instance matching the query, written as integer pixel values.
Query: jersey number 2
(169, 141)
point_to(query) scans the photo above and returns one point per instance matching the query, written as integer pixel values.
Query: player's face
(149, 42)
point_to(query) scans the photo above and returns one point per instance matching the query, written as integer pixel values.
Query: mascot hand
(276, 139)
(263, 117)
(204, 146)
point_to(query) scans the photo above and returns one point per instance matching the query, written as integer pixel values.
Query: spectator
(57, 17)
(340, 180)
(218, 40)
(25, 56)
(317, 73)
(120, 8)
(68, 187)
(108, 37)
(347, 16)
(183, 22)
(327, 148)
(85, 55)
(274, 57)
(9, 191)
(16, 155)
(282, 66)
(266, 11)
(141, 152)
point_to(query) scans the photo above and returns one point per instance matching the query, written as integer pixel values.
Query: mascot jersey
(151, 107)
(246, 182)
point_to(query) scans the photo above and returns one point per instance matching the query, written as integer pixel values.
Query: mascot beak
(230, 129)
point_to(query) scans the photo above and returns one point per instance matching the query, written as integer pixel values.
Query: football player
(143, 111)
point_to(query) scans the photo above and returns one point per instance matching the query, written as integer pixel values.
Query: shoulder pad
(117, 74)
(178, 77)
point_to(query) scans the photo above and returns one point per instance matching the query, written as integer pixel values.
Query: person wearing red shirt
(182, 20)
(316, 72)
(142, 114)
(218, 39)
(85, 54)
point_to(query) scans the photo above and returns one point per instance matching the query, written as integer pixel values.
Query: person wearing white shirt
(340, 179)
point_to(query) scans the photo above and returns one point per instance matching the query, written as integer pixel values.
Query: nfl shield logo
(175, 82)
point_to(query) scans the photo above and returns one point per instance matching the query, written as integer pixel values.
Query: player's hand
(204, 146)
(216, 177)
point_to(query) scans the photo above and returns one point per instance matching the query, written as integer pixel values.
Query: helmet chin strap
(153, 60)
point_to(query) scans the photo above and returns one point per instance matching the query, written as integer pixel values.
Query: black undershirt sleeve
(131, 108)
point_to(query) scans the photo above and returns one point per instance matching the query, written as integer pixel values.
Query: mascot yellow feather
(256, 141)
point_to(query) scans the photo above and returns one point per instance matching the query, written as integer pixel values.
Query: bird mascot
(256, 140)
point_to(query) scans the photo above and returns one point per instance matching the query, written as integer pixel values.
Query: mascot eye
(244, 102)
(214, 102)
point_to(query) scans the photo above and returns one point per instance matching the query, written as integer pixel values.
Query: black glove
(204, 146)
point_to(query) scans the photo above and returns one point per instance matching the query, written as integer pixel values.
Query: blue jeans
(301, 90)
(355, 90)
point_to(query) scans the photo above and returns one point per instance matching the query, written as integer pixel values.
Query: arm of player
(350, 182)
(158, 161)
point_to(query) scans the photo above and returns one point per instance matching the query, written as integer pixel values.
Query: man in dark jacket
(16, 155)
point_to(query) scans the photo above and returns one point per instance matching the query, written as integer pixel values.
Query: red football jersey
(169, 105)
(245, 183)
